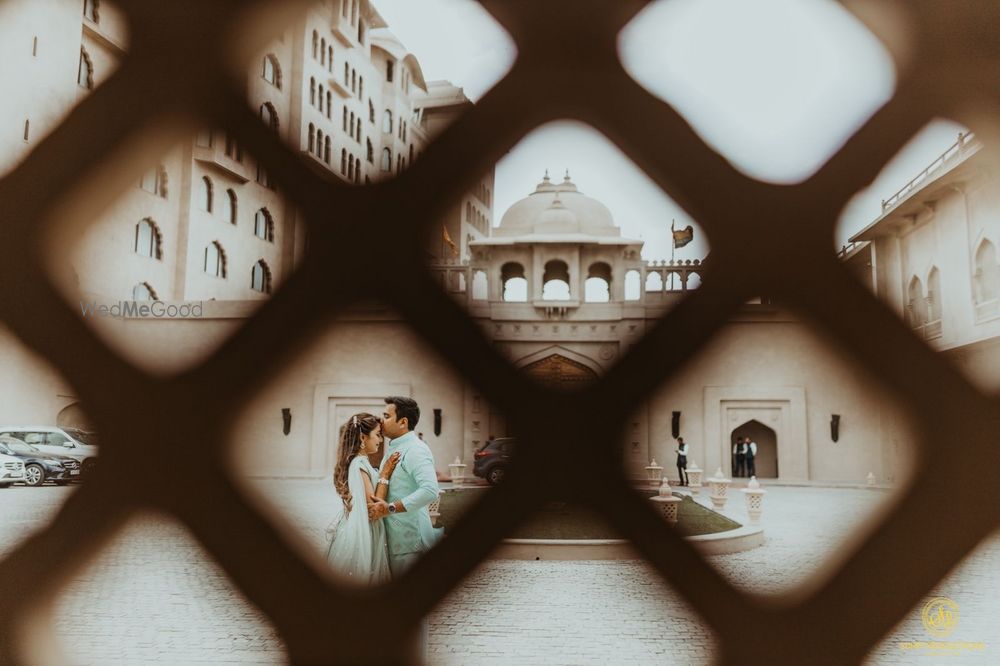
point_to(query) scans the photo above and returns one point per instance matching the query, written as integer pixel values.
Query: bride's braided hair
(350, 446)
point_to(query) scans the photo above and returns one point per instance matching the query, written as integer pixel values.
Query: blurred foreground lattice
(568, 67)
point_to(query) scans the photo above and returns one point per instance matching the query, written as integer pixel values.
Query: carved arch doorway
(557, 371)
(766, 460)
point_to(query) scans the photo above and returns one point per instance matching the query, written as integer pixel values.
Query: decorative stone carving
(607, 352)
(558, 370)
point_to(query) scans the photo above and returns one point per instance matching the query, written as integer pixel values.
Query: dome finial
(546, 179)
(566, 179)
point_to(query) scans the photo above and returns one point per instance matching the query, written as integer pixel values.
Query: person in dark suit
(682, 461)
(751, 455)
(740, 453)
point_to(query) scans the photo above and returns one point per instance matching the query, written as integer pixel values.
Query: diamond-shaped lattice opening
(153, 594)
(566, 253)
(54, 59)
(47, 443)
(166, 267)
(776, 86)
(924, 239)
(288, 445)
(771, 405)
(359, 90)
(584, 611)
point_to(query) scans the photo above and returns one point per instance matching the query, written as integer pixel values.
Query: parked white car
(77, 444)
(11, 471)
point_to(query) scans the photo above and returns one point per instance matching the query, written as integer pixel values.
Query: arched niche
(766, 460)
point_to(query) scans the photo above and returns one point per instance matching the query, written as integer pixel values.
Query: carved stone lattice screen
(179, 67)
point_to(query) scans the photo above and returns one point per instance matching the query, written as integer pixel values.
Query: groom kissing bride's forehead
(400, 416)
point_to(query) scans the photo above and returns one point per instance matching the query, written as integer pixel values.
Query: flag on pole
(682, 236)
(447, 239)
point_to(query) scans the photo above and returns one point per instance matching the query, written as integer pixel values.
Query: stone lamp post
(667, 503)
(718, 485)
(457, 471)
(755, 500)
(694, 477)
(653, 472)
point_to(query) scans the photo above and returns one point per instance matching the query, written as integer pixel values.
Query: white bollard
(694, 477)
(667, 503)
(719, 486)
(457, 471)
(755, 500)
(653, 473)
(871, 479)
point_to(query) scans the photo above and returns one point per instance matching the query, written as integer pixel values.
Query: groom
(408, 528)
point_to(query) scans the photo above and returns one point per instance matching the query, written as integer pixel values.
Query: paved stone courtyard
(153, 597)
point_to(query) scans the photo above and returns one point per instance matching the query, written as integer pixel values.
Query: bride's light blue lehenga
(358, 550)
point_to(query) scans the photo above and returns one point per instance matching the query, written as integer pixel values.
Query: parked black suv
(41, 467)
(490, 462)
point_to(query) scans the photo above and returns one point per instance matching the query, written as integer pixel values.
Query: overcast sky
(776, 86)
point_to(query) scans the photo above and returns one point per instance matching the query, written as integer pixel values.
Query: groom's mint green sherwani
(414, 483)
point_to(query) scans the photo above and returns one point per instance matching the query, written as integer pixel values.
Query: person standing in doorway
(682, 461)
(751, 454)
(740, 453)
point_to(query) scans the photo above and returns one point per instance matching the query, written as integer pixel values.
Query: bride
(357, 547)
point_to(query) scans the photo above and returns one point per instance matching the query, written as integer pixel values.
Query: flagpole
(673, 245)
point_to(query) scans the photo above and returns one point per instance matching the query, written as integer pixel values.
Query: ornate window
(934, 295)
(386, 159)
(555, 281)
(269, 116)
(91, 10)
(260, 277)
(986, 279)
(205, 194)
(154, 181)
(263, 225)
(514, 286)
(215, 260)
(229, 206)
(148, 241)
(387, 122)
(916, 305)
(234, 150)
(144, 292)
(597, 287)
(85, 71)
(271, 70)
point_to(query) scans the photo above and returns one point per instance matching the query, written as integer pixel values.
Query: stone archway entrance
(766, 461)
(557, 371)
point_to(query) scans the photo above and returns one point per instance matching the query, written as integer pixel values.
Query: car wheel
(495, 475)
(87, 468)
(4, 485)
(34, 475)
